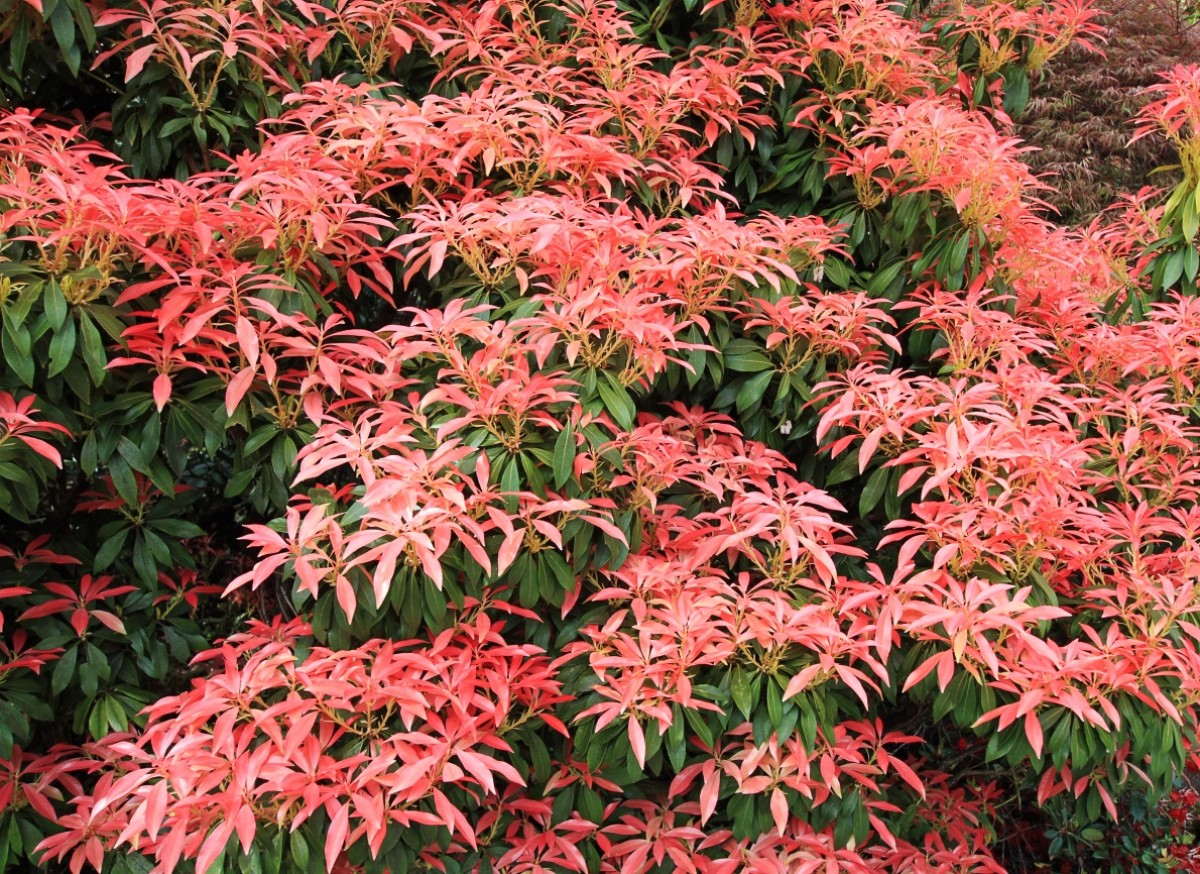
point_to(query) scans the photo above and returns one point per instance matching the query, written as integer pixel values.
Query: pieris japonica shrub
(581, 437)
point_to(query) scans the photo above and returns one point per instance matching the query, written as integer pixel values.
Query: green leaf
(1172, 269)
(179, 528)
(15, 841)
(435, 602)
(132, 454)
(15, 345)
(97, 658)
(97, 721)
(881, 281)
(873, 491)
(64, 670)
(808, 721)
(743, 816)
(1189, 222)
(845, 469)
(699, 724)
(564, 456)
(19, 310)
(299, 849)
(158, 547)
(510, 482)
(110, 549)
(259, 438)
(143, 561)
(63, 24)
(740, 687)
(88, 460)
(617, 401)
(956, 259)
(528, 589)
(837, 273)
(93, 348)
(173, 126)
(283, 457)
(240, 481)
(539, 756)
(559, 570)
(774, 703)
(107, 318)
(752, 391)
(251, 862)
(54, 304)
(160, 475)
(83, 19)
(744, 356)
(533, 462)
(115, 714)
(89, 679)
(590, 806)
(676, 740)
(564, 804)
(1016, 92)
(124, 481)
(1191, 260)
(62, 348)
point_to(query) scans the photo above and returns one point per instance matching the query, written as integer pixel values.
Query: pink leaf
(446, 810)
(779, 809)
(213, 845)
(162, 390)
(509, 549)
(137, 60)
(336, 839)
(248, 340)
(637, 740)
(246, 826)
(110, 621)
(437, 255)
(238, 386)
(709, 793)
(1033, 731)
(345, 597)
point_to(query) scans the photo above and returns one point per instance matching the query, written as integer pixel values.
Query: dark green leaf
(617, 401)
(564, 456)
(64, 670)
(92, 347)
(873, 490)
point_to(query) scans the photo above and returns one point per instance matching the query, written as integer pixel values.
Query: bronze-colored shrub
(1080, 111)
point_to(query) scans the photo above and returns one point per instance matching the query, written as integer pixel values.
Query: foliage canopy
(629, 438)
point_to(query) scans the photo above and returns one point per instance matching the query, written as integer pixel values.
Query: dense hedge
(628, 437)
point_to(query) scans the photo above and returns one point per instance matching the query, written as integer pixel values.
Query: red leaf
(1033, 731)
(42, 448)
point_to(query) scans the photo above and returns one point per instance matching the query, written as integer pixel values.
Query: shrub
(662, 439)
